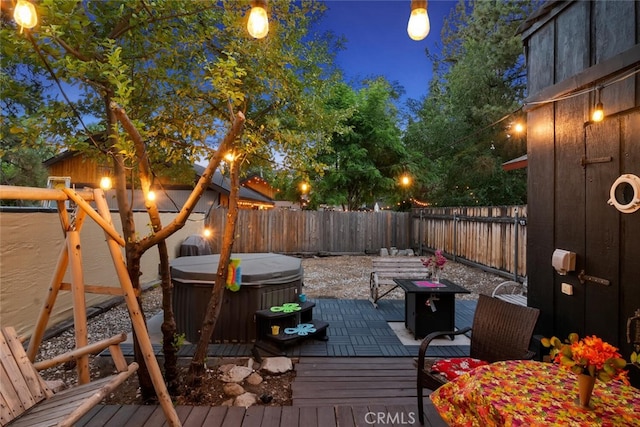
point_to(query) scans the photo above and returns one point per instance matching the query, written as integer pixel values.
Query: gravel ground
(324, 277)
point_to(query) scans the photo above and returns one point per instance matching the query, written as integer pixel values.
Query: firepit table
(429, 307)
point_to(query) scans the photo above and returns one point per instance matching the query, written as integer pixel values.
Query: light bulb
(304, 187)
(207, 232)
(105, 183)
(258, 25)
(518, 127)
(405, 180)
(419, 25)
(598, 113)
(25, 14)
(151, 195)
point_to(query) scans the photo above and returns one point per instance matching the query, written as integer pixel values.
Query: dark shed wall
(578, 48)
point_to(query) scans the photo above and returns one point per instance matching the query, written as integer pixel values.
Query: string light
(151, 195)
(105, 183)
(598, 111)
(418, 27)
(25, 14)
(258, 24)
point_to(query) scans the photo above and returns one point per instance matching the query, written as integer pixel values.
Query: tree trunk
(197, 367)
(169, 337)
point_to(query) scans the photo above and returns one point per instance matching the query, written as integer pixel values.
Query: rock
(250, 363)
(276, 365)
(246, 400)
(233, 389)
(254, 379)
(223, 369)
(236, 374)
(384, 252)
(228, 402)
(266, 398)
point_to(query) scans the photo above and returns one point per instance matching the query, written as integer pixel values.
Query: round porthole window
(625, 193)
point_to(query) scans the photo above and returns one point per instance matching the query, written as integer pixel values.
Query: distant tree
(479, 78)
(367, 156)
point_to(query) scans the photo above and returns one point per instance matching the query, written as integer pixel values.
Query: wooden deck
(327, 392)
(262, 416)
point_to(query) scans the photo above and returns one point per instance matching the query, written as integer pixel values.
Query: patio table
(530, 393)
(429, 307)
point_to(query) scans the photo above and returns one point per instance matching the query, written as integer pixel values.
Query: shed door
(602, 229)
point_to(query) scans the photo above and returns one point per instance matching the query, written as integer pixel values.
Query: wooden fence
(313, 232)
(493, 238)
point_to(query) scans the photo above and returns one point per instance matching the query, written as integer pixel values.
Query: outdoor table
(530, 393)
(429, 307)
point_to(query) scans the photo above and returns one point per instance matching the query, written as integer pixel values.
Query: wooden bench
(25, 398)
(513, 292)
(385, 269)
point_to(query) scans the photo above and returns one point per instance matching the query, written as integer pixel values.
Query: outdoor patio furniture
(385, 269)
(511, 291)
(28, 401)
(500, 331)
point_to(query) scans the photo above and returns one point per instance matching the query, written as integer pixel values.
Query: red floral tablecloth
(529, 393)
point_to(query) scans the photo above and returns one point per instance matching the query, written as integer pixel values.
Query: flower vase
(585, 388)
(435, 275)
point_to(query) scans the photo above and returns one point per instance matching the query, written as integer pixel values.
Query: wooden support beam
(79, 303)
(47, 308)
(137, 320)
(97, 289)
(13, 192)
(106, 226)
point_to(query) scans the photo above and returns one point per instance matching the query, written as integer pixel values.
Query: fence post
(455, 236)
(515, 245)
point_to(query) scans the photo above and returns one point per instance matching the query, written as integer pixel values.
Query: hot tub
(267, 279)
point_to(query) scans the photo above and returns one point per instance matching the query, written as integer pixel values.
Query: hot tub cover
(257, 268)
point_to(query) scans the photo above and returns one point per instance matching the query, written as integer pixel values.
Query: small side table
(275, 344)
(429, 309)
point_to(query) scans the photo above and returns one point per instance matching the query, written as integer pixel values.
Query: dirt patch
(274, 390)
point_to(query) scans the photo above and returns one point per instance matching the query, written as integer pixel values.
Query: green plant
(589, 356)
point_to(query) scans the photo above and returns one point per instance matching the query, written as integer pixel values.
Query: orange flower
(589, 356)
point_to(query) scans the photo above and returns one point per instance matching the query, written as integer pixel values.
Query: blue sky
(378, 44)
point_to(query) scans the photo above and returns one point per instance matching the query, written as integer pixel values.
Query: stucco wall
(30, 244)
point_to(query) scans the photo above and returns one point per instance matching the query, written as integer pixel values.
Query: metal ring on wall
(621, 198)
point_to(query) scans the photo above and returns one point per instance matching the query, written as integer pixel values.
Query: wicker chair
(500, 331)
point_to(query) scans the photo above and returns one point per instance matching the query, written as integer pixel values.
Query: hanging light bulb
(419, 25)
(258, 25)
(25, 14)
(405, 180)
(598, 111)
(206, 232)
(105, 183)
(151, 195)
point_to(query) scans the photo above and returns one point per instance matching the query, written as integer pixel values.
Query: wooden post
(137, 319)
(47, 308)
(56, 281)
(79, 303)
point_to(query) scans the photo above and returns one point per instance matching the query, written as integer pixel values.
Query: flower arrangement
(435, 261)
(589, 356)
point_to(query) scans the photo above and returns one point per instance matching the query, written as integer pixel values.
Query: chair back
(21, 385)
(501, 330)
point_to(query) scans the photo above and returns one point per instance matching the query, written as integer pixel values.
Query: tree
(457, 134)
(169, 82)
(367, 155)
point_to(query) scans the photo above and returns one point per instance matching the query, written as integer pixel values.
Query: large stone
(384, 252)
(246, 400)
(276, 365)
(236, 374)
(254, 379)
(233, 389)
